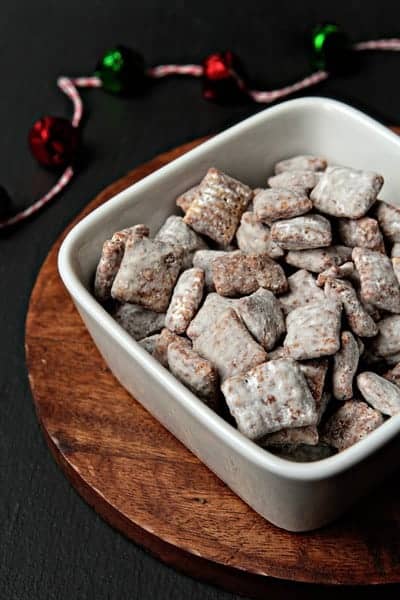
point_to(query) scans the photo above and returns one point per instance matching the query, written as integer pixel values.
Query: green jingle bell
(122, 71)
(332, 49)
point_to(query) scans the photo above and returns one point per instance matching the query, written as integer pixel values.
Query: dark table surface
(52, 545)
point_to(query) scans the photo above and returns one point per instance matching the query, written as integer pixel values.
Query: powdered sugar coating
(360, 322)
(216, 209)
(148, 273)
(318, 259)
(213, 307)
(350, 424)
(300, 179)
(229, 346)
(280, 203)
(380, 393)
(185, 300)
(111, 257)
(379, 285)
(302, 290)
(345, 363)
(239, 274)
(389, 220)
(175, 231)
(186, 199)
(197, 373)
(315, 373)
(364, 232)
(387, 341)
(302, 233)
(203, 259)
(395, 250)
(254, 236)
(269, 398)
(313, 330)
(304, 162)
(345, 192)
(262, 315)
(138, 321)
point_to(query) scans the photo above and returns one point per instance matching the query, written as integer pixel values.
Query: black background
(53, 546)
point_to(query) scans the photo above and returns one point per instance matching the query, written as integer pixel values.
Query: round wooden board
(141, 480)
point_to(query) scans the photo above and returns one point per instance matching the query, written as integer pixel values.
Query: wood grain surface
(145, 483)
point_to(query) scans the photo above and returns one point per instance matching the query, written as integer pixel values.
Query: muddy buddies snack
(254, 236)
(379, 285)
(269, 398)
(217, 207)
(280, 203)
(175, 231)
(283, 303)
(239, 273)
(302, 233)
(185, 300)
(344, 192)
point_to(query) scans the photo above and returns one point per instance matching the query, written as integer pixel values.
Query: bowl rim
(306, 472)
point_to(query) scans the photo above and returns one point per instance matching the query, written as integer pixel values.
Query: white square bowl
(296, 497)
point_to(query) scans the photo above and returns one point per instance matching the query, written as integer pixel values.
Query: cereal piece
(149, 343)
(240, 274)
(302, 162)
(389, 220)
(315, 373)
(160, 351)
(229, 346)
(175, 231)
(148, 273)
(345, 363)
(213, 307)
(186, 199)
(396, 250)
(253, 236)
(216, 210)
(292, 435)
(138, 321)
(363, 232)
(351, 423)
(262, 316)
(313, 330)
(359, 320)
(197, 373)
(203, 259)
(381, 394)
(185, 300)
(298, 179)
(280, 203)
(269, 398)
(303, 452)
(302, 233)
(302, 290)
(379, 285)
(110, 260)
(396, 267)
(387, 341)
(393, 375)
(345, 192)
(342, 272)
(319, 259)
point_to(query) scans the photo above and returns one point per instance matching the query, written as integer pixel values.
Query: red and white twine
(69, 86)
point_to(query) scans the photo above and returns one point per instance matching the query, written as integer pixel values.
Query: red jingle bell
(54, 141)
(223, 77)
